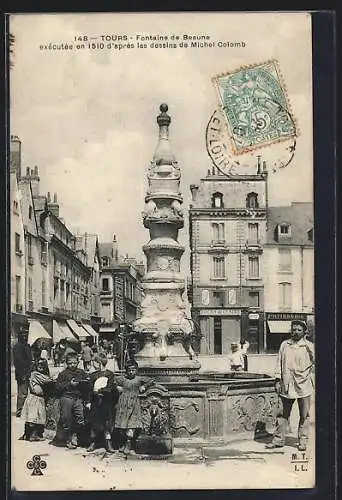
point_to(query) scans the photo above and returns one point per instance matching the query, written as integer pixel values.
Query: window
(253, 232)
(253, 267)
(231, 296)
(106, 313)
(218, 267)
(217, 335)
(30, 289)
(218, 231)
(29, 246)
(17, 289)
(17, 243)
(217, 200)
(285, 295)
(105, 284)
(284, 259)
(30, 212)
(284, 230)
(43, 293)
(254, 299)
(252, 200)
(218, 298)
(105, 261)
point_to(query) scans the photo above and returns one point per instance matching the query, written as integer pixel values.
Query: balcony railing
(253, 242)
(218, 243)
(19, 308)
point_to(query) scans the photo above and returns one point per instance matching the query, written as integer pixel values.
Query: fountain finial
(163, 119)
(163, 154)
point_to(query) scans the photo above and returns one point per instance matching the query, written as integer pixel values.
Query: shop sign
(220, 312)
(285, 316)
(253, 316)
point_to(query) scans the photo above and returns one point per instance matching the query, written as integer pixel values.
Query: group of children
(99, 402)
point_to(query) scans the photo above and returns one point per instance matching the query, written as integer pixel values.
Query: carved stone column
(164, 326)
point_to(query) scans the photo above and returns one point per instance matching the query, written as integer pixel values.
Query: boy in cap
(294, 371)
(102, 402)
(72, 384)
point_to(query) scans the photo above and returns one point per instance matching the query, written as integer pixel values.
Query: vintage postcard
(162, 251)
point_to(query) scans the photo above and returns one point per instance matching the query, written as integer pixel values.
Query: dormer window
(217, 200)
(252, 200)
(284, 230)
(105, 261)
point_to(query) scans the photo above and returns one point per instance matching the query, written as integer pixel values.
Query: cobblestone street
(241, 464)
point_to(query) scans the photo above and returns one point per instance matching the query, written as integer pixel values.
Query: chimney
(264, 167)
(194, 191)
(53, 207)
(48, 197)
(115, 250)
(259, 165)
(35, 181)
(15, 156)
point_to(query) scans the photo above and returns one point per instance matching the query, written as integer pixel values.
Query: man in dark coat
(22, 360)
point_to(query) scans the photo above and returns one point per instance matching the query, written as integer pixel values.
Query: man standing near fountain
(294, 372)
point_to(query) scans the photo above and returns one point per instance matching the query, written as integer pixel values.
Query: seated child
(236, 358)
(34, 411)
(102, 401)
(128, 411)
(73, 385)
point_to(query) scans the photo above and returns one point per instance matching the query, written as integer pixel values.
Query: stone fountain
(184, 405)
(164, 326)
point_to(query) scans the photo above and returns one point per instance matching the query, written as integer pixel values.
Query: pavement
(243, 464)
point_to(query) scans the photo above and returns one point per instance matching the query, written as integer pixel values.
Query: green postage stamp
(255, 105)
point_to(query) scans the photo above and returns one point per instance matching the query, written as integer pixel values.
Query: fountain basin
(220, 407)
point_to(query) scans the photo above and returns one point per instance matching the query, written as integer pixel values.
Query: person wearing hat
(103, 395)
(294, 381)
(22, 360)
(236, 358)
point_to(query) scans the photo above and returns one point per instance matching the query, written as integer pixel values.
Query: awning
(89, 329)
(37, 331)
(279, 326)
(77, 330)
(57, 333)
(67, 332)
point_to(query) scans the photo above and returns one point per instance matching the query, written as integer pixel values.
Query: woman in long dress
(128, 417)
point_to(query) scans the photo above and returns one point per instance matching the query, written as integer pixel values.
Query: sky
(87, 117)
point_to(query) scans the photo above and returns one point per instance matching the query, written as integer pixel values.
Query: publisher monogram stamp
(36, 464)
(255, 106)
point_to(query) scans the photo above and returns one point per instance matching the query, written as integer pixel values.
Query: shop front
(278, 327)
(219, 328)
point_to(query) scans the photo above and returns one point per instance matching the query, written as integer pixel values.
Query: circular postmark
(274, 156)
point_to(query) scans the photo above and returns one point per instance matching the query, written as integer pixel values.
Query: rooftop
(298, 216)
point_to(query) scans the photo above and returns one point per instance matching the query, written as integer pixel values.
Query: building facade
(227, 224)
(55, 275)
(17, 242)
(121, 290)
(288, 270)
